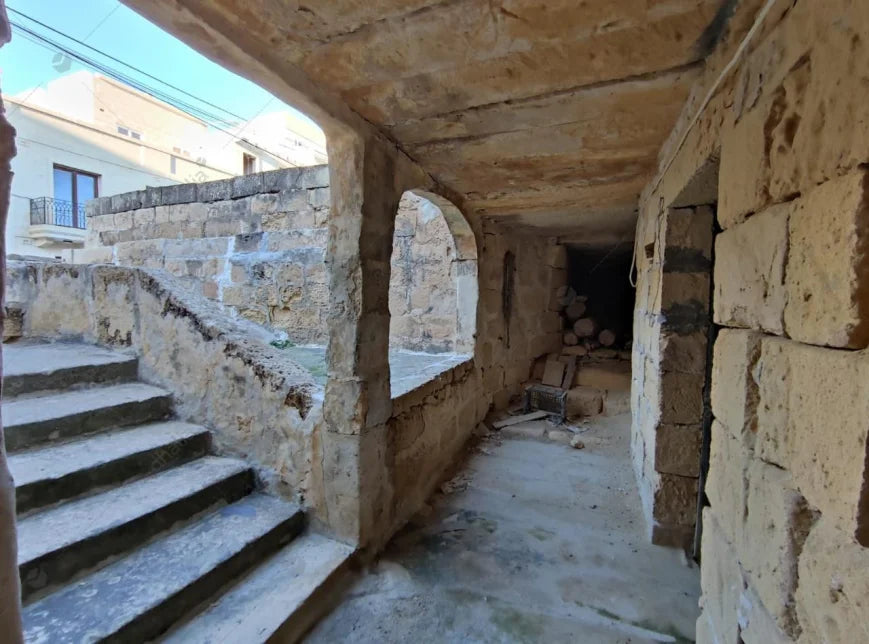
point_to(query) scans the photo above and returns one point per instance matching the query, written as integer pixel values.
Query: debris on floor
(482, 430)
(515, 420)
(456, 484)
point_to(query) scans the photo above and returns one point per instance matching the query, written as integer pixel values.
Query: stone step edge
(40, 383)
(158, 618)
(42, 493)
(25, 435)
(43, 574)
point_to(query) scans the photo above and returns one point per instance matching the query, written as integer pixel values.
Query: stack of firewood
(580, 329)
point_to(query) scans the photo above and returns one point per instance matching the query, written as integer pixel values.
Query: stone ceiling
(545, 113)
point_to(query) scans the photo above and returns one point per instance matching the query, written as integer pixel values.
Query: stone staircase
(130, 530)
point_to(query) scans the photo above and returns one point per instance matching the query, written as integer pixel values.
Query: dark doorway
(601, 274)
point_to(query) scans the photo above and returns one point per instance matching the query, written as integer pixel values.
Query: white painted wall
(44, 139)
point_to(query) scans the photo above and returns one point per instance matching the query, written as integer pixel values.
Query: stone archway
(433, 277)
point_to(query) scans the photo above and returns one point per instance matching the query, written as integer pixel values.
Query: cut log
(575, 311)
(584, 327)
(566, 296)
(570, 339)
(607, 338)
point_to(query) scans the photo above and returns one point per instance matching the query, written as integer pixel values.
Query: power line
(96, 26)
(125, 64)
(192, 110)
(246, 125)
(88, 35)
(200, 113)
(146, 89)
(39, 43)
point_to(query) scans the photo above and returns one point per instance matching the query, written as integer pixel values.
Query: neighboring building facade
(86, 135)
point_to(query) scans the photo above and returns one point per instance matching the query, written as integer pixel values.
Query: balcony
(56, 222)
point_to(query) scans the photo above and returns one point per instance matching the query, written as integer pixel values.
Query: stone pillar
(365, 191)
(670, 340)
(10, 605)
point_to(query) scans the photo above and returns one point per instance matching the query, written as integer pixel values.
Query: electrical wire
(96, 26)
(203, 115)
(87, 35)
(125, 64)
(200, 113)
(112, 112)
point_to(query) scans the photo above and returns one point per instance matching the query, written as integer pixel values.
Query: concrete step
(32, 421)
(140, 596)
(279, 600)
(55, 544)
(29, 368)
(46, 475)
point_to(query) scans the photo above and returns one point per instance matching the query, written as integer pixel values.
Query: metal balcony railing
(56, 212)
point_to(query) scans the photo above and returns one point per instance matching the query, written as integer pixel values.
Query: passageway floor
(546, 543)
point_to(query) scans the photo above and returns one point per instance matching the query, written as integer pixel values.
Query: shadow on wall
(433, 279)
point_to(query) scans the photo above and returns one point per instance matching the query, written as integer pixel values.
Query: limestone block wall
(422, 282)
(785, 542)
(257, 245)
(424, 430)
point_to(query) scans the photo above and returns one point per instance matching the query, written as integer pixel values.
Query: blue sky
(119, 31)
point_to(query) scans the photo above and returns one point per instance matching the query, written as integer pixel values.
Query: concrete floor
(408, 369)
(546, 543)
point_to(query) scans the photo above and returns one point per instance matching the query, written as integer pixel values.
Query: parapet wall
(257, 244)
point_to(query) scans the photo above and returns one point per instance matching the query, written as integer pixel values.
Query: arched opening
(432, 290)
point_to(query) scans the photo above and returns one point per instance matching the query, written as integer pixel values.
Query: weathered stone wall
(382, 456)
(10, 586)
(222, 373)
(257, 245)
(422, 281)
(785, 545)
(264, 408)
